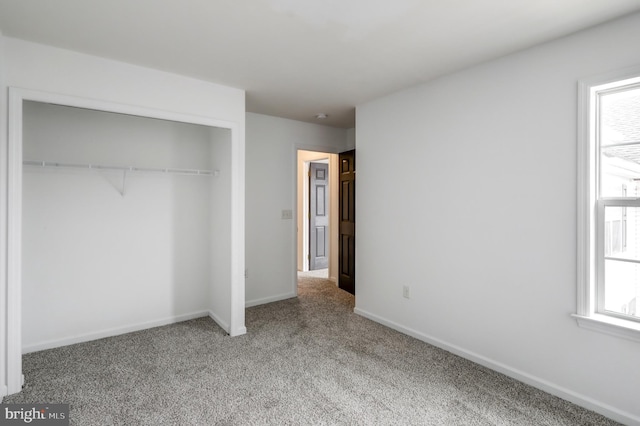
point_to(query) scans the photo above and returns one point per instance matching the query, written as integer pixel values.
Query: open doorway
(317, 219)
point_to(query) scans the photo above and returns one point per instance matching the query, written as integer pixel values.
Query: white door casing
(13, 311)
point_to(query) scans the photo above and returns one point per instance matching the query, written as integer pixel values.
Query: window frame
(590, 255)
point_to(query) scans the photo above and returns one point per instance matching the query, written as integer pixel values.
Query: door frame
(17, 96)
(296, 212)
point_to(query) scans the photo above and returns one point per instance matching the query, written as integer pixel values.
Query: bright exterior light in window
(620, 143)
(621, 252)
(619, 137)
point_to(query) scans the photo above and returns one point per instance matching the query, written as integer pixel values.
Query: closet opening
(119, 220)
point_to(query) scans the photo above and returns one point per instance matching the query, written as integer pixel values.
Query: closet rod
(189, 172)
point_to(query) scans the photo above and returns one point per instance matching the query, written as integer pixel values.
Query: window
(609, 205)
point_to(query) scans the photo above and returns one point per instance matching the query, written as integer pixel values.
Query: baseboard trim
(552, 388)
(271, 299)
(223, 325)
(238, 332)
(87, 337)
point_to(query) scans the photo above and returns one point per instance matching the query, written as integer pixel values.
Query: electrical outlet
(287, 214)
(405, 292)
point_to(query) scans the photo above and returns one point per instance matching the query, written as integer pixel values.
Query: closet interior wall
(108, 251)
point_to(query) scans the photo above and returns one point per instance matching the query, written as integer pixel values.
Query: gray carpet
(304, 361)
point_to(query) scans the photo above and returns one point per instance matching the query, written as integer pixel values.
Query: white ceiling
(296, 58)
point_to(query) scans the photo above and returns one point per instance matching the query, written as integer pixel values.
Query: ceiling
(297, 58)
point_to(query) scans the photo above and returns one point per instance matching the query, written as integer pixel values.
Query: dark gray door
(318, 216)
(347, 232)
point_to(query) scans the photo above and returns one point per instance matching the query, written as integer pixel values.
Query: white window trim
(587, 315)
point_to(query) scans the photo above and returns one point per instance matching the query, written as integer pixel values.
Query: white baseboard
(50, 344)
(239, 331)
(223, 325)
(567, 394)
(271, 299)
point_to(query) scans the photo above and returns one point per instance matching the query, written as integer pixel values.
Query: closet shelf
(189, 172)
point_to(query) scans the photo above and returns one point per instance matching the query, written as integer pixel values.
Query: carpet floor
(305, 361)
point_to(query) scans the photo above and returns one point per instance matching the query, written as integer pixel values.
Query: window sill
(610, 325)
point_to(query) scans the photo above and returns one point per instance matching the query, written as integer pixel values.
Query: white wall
(474, 177)
(271, 188)
(40, 67)
(351, 139)
(96, 261)
(220, 237)
(132, 88)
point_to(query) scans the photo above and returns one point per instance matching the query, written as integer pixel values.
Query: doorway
(317, 226)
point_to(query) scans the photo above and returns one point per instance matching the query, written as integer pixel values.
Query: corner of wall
(351, 138)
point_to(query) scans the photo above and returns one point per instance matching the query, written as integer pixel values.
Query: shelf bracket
(124, 182)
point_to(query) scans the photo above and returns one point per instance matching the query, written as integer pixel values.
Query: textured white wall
(467, 194)
(95, 261)
(271, 187)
